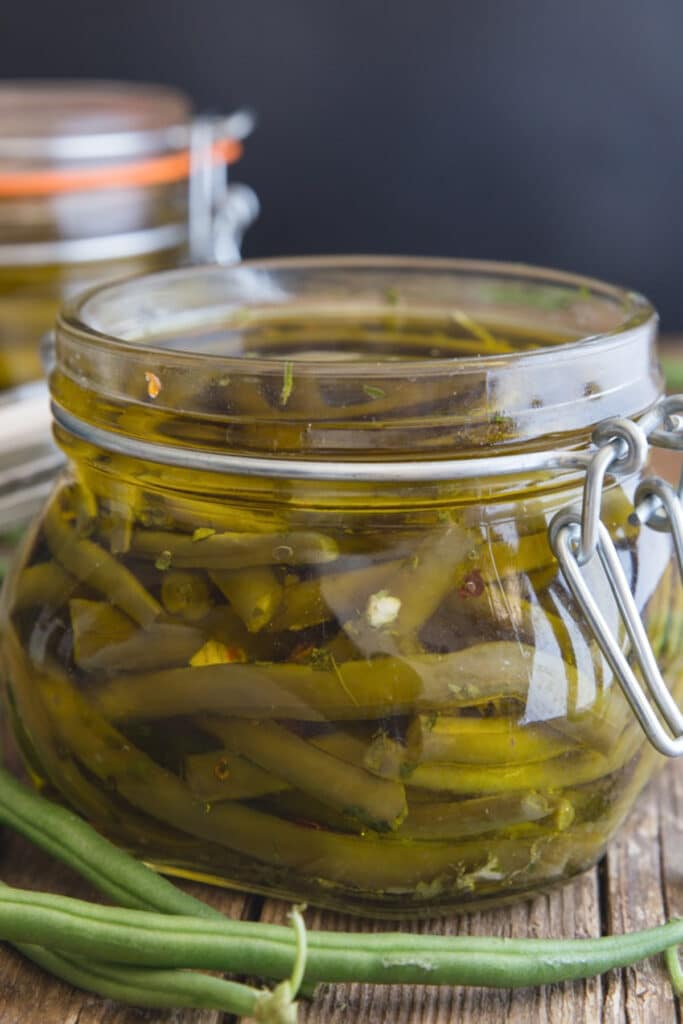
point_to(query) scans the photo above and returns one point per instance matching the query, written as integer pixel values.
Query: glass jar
(94, 186)
(292, 619)
(29, 461)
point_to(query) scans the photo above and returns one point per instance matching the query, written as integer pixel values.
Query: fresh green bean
(64, 835)
(268, 950)
(145, 986)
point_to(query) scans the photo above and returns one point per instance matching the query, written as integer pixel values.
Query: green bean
(551, 774)
(495, 559)
(43, 584)
(484, 741)
(354, 690)
(145, 986)
(224, 775)
(457, 819)
(91, 564)
(254, 593)
(106, 639)
(267, 950)
(392, 617)
(235, 550)
(362, 862)
(47, 757)
(186, 593)
(380, 803)
(223, 517)
(334, 595)
(64, 835)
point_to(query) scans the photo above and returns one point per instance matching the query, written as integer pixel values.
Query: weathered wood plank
(572, 910)
(29, 996)
(635, 897)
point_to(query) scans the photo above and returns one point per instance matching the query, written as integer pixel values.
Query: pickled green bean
(186, 594)
(392, 617)
(235, 550)
(380, 803)
(355, 690)
(91, 564)
(458, 819)
(107, 640)
(359, 861)
(254, 593)
(224, 775)
(492, 741)
(45, 583)
(335, 595)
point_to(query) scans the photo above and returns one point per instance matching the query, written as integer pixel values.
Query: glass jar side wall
(387, 707)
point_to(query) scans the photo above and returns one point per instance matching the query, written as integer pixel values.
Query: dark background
(536, 130)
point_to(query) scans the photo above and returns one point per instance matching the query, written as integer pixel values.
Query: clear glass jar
(94, 186)
(291, 619)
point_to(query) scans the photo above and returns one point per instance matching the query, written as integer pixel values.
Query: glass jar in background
(102, 180)
(292, 618)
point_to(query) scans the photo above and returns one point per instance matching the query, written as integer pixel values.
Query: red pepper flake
(473, 585)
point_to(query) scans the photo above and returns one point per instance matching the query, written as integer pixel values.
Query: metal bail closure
(576, 536)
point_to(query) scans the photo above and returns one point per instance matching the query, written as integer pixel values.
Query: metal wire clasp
(219, 213)
(578, 535)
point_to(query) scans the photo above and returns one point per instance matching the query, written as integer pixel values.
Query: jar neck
(335, 375)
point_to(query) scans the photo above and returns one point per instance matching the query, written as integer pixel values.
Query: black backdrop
(538, 130)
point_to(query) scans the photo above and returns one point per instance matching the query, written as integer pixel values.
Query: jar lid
(52, 134)
(28, 457)
(84, 119)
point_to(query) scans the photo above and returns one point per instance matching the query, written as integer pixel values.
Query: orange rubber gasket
(160, 170)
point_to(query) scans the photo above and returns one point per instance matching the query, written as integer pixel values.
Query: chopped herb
(373, 392)
(164, 560)
(287, 383)
(584, 292)
(391, 297)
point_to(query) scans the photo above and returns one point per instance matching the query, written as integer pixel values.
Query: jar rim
(125, 345)
(637, 309)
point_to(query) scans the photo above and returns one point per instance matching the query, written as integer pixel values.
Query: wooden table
(638, 884)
